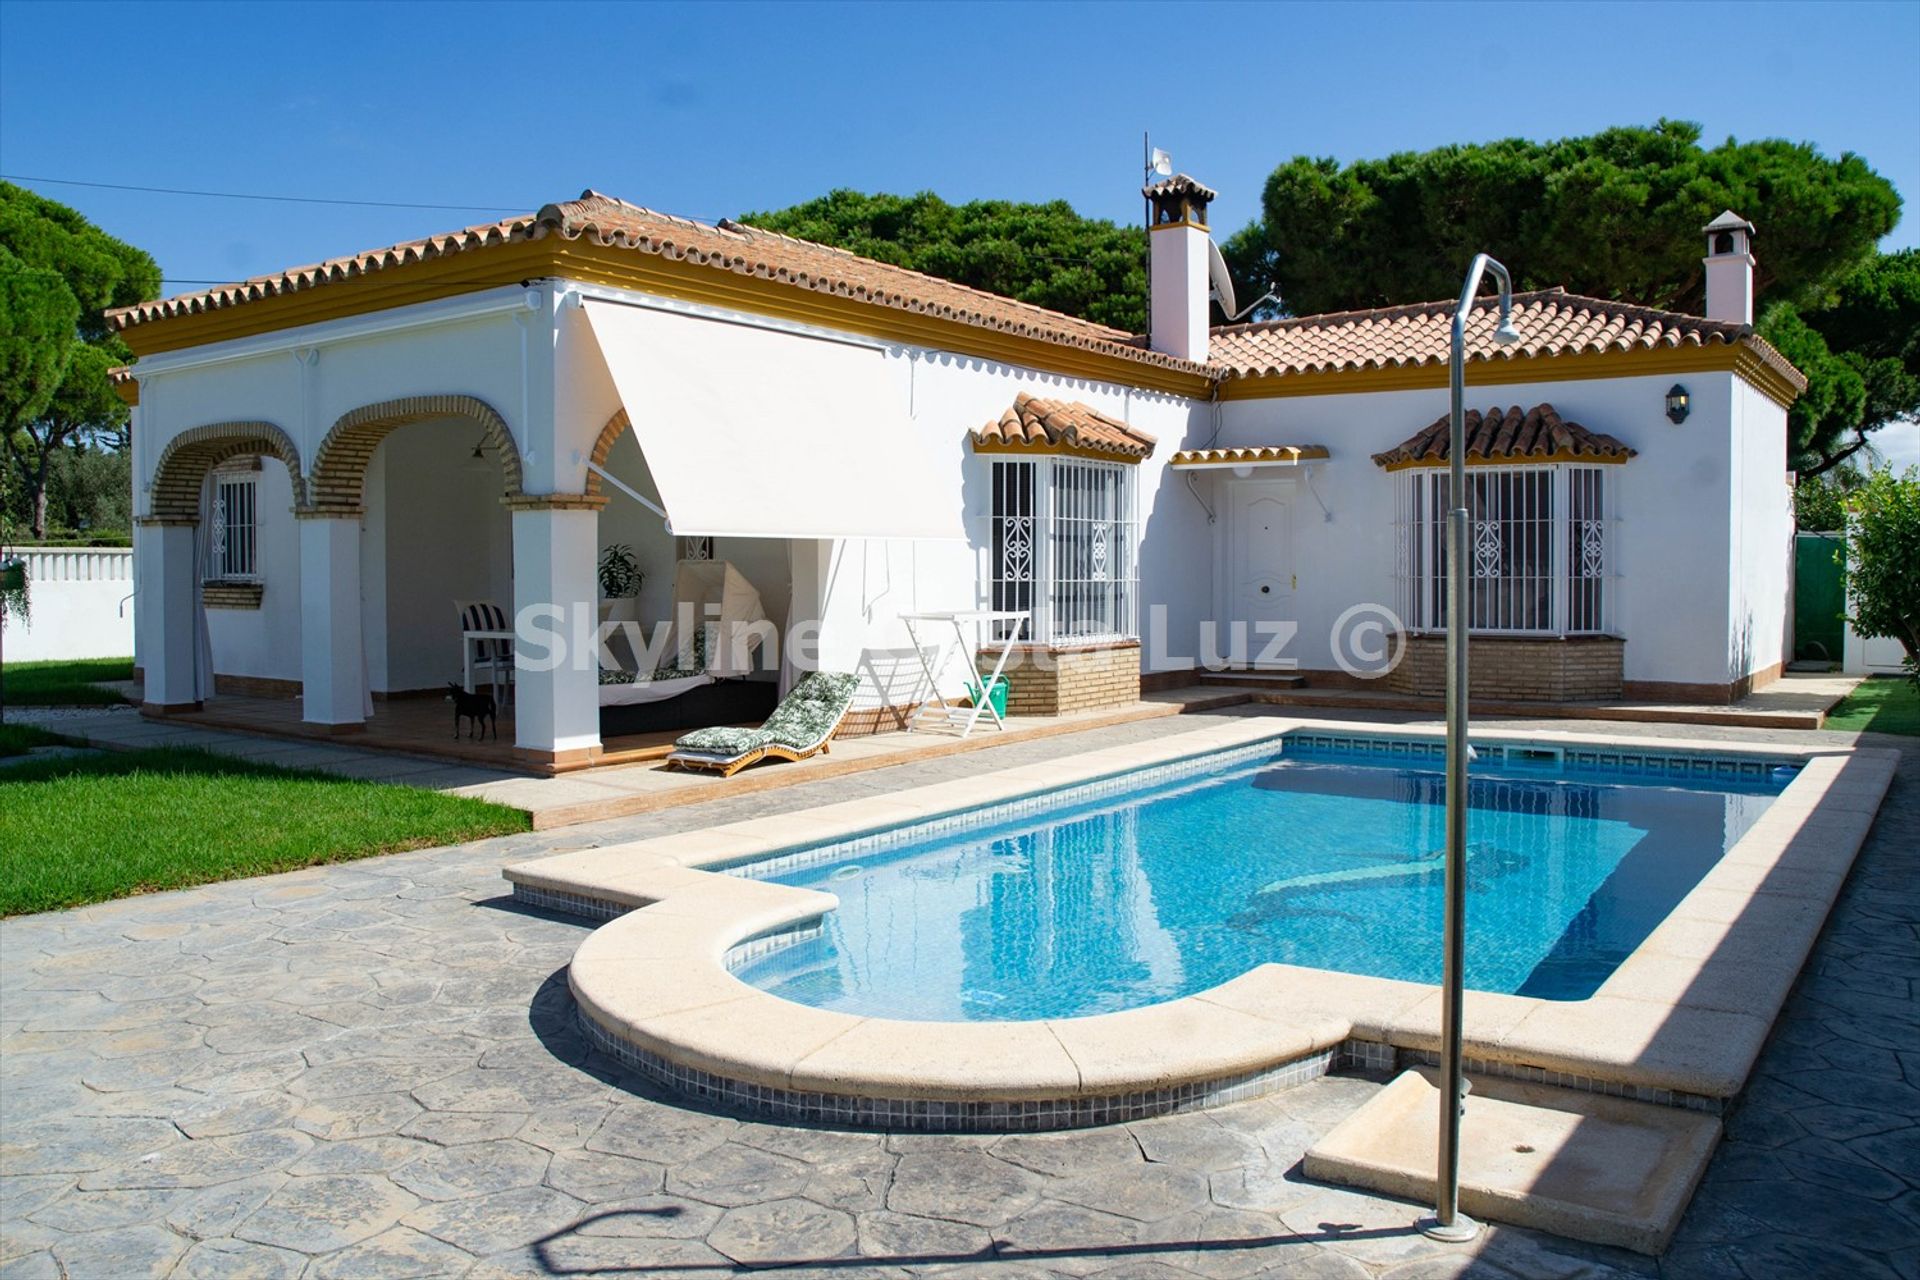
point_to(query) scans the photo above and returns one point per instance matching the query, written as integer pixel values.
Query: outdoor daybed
(714, 633)
(801, 726)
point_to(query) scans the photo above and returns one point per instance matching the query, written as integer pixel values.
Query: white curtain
(202, 640)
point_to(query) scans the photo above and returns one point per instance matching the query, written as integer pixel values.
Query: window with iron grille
(232, 531)
(1065, 548)
(1538, 543)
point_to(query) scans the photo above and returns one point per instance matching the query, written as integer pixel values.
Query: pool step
(1583, 1165)
(1248, 677)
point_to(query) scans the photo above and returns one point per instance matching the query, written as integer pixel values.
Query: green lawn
(63, 684)
(17, 739)
(1882, 704)
(87, 828)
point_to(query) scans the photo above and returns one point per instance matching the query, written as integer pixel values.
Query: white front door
(1260, 569)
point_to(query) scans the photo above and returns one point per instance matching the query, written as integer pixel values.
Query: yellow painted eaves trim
(690, 282)
(491, 267)
(1713, 358)
(1185, 222)
(466, 272)
(1061, 450)
(1536, 460)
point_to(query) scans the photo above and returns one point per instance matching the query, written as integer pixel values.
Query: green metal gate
(1819, 598)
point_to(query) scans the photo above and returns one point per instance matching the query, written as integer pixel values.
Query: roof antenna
(1223, 286)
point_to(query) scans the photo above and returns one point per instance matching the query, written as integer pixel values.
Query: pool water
(1307, 858)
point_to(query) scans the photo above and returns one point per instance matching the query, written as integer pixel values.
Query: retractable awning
(753, 432)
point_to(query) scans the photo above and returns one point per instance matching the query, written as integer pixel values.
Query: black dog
(477, 707)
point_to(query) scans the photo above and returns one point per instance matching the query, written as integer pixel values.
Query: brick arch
(187, 458)
(616, 426)
(340, 464)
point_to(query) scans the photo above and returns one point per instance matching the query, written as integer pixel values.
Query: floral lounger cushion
(616, 675)
(801, 722)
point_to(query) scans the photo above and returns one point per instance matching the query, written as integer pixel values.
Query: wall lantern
(1679, 404)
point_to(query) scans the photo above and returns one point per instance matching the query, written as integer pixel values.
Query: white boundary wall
(79, 602)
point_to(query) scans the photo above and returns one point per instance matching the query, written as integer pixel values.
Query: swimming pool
(1323, 855)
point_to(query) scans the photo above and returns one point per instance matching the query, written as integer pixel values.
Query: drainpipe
(1448, 1222)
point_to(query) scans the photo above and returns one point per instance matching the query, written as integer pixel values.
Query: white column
(164, 572)
(556, 700)
(332, 659)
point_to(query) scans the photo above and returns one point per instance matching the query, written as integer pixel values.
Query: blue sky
(715, 110)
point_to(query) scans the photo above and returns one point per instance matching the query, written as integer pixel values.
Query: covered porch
(327, 581)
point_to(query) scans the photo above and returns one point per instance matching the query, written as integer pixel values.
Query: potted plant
(620, 582)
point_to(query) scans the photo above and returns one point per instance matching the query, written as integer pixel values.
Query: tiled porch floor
(418, 726)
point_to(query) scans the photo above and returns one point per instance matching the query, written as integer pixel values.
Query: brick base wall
(232, 595)
(1516, 668)
(1050, 681)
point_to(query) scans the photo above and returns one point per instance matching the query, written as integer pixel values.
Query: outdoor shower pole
(1448, 1222)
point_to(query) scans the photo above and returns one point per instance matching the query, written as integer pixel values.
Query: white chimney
(1177, 262)
(1729, 264)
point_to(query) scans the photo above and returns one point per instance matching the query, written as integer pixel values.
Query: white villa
(331, 461)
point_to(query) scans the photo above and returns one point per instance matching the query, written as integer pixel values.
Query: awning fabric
(755, 433)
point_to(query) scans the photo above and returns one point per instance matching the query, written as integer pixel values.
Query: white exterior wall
(1760, 576)
(1673, 551)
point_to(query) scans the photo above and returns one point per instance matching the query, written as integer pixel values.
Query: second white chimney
(1177, 316)
(1729, 264)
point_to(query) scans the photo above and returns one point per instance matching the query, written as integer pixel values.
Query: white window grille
(1066, 548)
(696, 548)
(232, 529)
(1016, 542)
(1540, 547)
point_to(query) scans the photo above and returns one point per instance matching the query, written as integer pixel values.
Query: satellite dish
(1222, 282)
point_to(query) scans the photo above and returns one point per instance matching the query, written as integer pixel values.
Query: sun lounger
(801, 726)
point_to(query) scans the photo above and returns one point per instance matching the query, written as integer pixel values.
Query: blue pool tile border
(770, 1102)
(1654, 764)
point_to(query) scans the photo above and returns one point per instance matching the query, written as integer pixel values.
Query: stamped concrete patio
(374, 1070)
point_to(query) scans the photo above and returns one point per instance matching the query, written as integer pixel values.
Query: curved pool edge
(1680, 1022)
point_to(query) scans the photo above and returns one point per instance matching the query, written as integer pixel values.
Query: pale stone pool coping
(1681, 1020)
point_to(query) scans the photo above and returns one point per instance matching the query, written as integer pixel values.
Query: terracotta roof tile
(1066, 425)
(1249, 455)
(1552, 322)
(725, 246)
(1180, 184)
(1513, 435)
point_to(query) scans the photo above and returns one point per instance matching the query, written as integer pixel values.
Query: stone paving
(373, 1070)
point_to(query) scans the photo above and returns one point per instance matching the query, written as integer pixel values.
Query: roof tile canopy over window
(1540, 495)
(1033, 425)
(1514, 435)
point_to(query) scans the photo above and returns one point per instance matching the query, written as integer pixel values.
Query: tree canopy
(1614, 215)
(1860, 350)
(1045, 254)
(58, 275)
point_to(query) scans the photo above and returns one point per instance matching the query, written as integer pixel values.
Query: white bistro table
(938, 707)
(468, 640)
